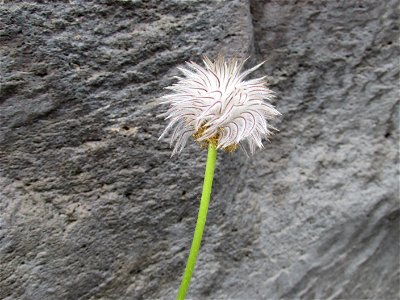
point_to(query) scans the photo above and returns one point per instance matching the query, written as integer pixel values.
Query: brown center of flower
(211, 141)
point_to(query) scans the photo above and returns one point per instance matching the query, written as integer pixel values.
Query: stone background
(93, 207)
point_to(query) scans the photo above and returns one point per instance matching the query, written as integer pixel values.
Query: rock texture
(93, 207)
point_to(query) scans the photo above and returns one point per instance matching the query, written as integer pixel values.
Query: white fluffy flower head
(215, 105)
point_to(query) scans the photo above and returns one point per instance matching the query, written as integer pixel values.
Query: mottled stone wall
(93, 207)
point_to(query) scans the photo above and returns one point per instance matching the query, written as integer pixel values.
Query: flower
(215, 105)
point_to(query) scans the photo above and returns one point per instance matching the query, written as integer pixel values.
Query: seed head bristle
(216, 105)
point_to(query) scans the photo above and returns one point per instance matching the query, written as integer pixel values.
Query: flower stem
(201, 221)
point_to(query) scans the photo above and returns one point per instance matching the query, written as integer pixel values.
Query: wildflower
(215, 105)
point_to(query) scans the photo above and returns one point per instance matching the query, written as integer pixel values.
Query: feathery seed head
(215, 105)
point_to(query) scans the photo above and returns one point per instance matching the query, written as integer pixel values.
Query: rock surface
(93, 207)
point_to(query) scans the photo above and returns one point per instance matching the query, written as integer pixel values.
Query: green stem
(201, 221)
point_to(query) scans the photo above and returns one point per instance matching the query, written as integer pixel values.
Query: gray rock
(93, 207)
